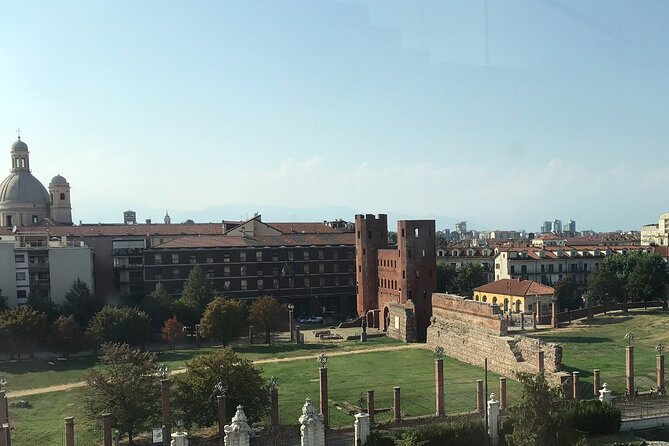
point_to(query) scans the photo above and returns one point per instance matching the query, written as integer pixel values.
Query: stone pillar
(502, 393)
(290, 324)
(534, 320)
(181, 439)
(165, 398)
(370, 405)
(659, 368)
(439, 377)
(4, 415)
(629, 369)
(522, 320)
(397, 401)
(274, 406)
(251, 334)
(479, 396)
(107, 429)
(605, 394)
(69, 431)
(362, 429)
(554, 316)
(221, 403)
(237, 432)
(5, 436)
(493, 420)
(324, 394)
(312, 430)
(540, 361)
(539, 313)
(596, 382)
(575, 385)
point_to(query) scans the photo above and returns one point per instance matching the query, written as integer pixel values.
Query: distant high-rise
(571, 227)
(461, 228)
(556, 226)
(547, 226)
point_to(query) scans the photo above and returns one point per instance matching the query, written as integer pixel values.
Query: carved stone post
(605, 395)
(534, 321)
(554, 316)
(362, 429)
(479, 396)
(493, 420)
(629, 368)
(69, 431)
(502, 393)
(221, 403)
(540, 361)
(439, 377)
(521, 315)
(370, 405)
(324, 394)
(311, 426)
(4, 413)
(237, 432)
(107, 429)
(167, 422)
(397, 408)
(274, 406)
(180, 439)
(596, 381)
(659, 368)
(575, 385)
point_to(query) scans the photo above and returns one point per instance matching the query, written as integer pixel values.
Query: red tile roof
(225, 241)
(516, 288)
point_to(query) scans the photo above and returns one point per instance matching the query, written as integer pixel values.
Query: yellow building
(515, 295)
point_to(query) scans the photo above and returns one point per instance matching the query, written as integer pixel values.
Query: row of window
(265, 284)
(277, 270)
(573, 267)
(258, 256)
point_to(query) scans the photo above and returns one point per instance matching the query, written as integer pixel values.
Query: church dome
(23, 187)
(58, 180)
(19, 146)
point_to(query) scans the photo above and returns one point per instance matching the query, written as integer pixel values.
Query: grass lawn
(30, 374)
(349, 378)
(600, 344)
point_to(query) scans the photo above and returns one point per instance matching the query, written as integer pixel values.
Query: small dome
(21, 188)
(58, 180)
(19, 146)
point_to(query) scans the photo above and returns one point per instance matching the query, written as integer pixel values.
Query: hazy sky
(556, 109)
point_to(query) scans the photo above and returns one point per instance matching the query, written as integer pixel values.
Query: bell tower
(20, 157)
(61, 206)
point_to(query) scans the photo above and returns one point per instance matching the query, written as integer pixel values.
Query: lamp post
(291, 308)
(629, 362)
(323, 375)
(220, 391)
(164, 374)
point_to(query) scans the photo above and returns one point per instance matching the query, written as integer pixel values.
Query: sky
(503, 113)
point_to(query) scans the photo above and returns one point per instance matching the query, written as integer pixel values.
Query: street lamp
(291, 307)
(323, 361)
(629, 337)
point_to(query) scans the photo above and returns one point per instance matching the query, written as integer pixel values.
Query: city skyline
(537, 110)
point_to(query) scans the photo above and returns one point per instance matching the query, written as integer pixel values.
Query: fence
(570, 315)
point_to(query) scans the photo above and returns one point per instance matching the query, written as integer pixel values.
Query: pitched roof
(516, 288)
(224, 241)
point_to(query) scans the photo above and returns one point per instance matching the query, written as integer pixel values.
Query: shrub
(457, 433)
(592, 417)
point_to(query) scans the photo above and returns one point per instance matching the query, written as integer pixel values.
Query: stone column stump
(362, 428)
(629, 369)
(479, 396)
(439, 378)
(659, 366)
(370, 405)
(493, 420)
(312, 429)
(397, 408)
(596, 382)
(502, 393)
(237, 433)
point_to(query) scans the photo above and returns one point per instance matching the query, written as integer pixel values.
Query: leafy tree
(194, 394)
(3, 302)
(157, 305)
(446, 277)
(648, 279)
(568, 294)
(470, 277)
(197, 291)
(186, 313)
(67, 336)
(80, 302)
(121, 325)
(39, 301)
(173, 331)
(124, 385)
(223, 321)
(392, 237)
(536, 419)
(268, 315)
(24, 330)
(604, 286)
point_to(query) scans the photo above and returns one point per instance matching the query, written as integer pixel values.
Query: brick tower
(371, 234)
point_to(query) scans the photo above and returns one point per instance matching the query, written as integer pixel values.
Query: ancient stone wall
(473, 331)
(402, 322)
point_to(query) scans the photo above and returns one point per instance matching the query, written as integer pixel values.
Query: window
(226, 271)
(321, 268)
(8, 219)
(306, 268)
(159, 274)
(409, 253)
(226, 285)
(321, 254)
(210, 273)
(350, 254)
(276, 284)
(322, 282)
(21, 275)
(560, 267)
(416, 233)
(175, 273)
(22, 294)
(175, 258)
(307, 282)
(244, 284)
(291, 255)
(513, 269)
(404, 274)
(192, 259)
(226, 258)
(35, 219)
(336, 281)
(261, 284)
(259, 272)
(351, 281)
(275, 256)
(62, 196)
(335, 254)
(210, 258)
(523, 269)
(497, 266)
(242, 270)
(258, 256)
(291, 282)
(19, 258)
(417, 274)
(364, 251)
(402, 232)
(242, 256)
(358, 234)
(336, 267)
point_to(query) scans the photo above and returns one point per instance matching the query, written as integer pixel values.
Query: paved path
(62, 387)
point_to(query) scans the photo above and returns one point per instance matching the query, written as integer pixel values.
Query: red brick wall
(371, 233)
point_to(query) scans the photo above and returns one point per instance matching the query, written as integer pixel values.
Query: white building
(656, 234)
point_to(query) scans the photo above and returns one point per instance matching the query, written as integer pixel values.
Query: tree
(67, 336)
(121, 325)
(223, 320)
(536, 419)
(23, 329)
(80, 302)
(194, 390)
(39, 301)
(125, 386)
(157, 305)
(445, 277)
(173, 331)
(470, 277)
(268, 315)
(197, 291)
(568, 294)
(604, 286)
(648, 279)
